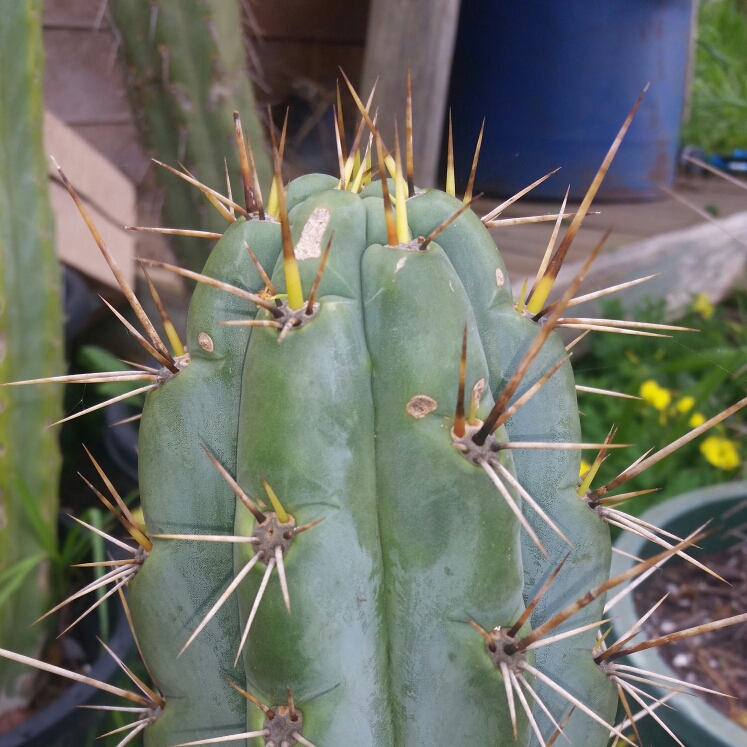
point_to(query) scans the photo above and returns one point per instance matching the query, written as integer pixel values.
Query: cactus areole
(343, 416)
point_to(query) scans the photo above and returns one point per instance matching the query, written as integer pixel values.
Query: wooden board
(708, 258)
(108, 195)
(523, 246)
(84, 83)
(418, 34)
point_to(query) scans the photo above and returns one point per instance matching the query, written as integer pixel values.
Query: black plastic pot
(695, 722)
(62, 723)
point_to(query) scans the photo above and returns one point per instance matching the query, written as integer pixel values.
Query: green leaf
(43, 533)
(12, 578)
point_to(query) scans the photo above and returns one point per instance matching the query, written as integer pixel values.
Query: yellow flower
(697, 419)
(655, 395)
(685, 404)
(720, 452)
(703, 306)
(584, 468)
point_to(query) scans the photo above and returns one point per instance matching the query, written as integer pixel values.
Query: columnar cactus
(365, 523)
(186, 73)
(31, 344)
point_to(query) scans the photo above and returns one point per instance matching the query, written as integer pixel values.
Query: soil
(718, 659)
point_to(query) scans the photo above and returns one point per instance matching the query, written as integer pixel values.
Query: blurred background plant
(682, 382)
(31, 346)
(718, 105)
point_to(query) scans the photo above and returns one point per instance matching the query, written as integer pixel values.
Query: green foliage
(719, 93)
(707, 366)
(30, 338)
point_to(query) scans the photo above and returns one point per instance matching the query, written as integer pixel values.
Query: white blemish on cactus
(309, 246)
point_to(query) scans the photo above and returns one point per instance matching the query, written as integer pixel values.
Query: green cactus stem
(186, 76)
(31, 341)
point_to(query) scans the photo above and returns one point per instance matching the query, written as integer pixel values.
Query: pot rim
(693, 718)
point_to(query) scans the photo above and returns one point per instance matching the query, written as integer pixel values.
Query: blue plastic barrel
(555, 79)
